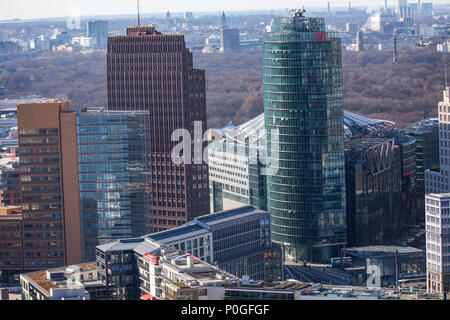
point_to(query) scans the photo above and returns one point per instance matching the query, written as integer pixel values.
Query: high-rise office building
(113, 177)
(437, 179)
(437, 200)
(402, 9)
(303, 105)
(85, 180)
(188, 16)
(11, 245)
(427, 8)
(235, 167)
(10, 183)
(50, 201)
(426, 133)
(149, 71)
(438, 242)
(98, 30)
(229, 40)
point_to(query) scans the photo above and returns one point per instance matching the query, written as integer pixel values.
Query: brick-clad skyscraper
(147, 70)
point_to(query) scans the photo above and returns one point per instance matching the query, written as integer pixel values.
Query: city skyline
(315, 198)
(25, 9)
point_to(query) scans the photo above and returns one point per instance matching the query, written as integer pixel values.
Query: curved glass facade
(302, 67)
(113, 177)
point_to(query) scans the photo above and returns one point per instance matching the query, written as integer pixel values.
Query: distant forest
(373, 86)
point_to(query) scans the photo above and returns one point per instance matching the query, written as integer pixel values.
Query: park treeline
(373, 86)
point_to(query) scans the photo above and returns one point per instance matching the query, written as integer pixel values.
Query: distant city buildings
(229, 37)
(229, 40)
(98, 30)
(102, 184)
(379, 21)
(188, 16)
(443, 47)
(85, 42)
(403, 10)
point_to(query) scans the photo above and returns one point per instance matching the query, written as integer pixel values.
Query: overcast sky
(26, 9)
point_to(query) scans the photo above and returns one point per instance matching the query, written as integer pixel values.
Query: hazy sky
(26, 9)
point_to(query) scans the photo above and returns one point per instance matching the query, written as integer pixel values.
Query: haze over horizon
(27, 9)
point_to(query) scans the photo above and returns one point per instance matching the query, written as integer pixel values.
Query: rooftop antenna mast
(139, 13)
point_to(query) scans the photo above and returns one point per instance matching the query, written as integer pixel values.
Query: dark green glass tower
(303, 102)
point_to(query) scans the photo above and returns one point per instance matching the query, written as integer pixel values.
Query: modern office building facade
(48, 170)
(149, 71)
(437, 179)
(426, 133)
(11, 245)
(411, 211)
(113, 177)
(438, 242)
(236, 241)
(303, 104)
(437, 209)
(10, 184)
(373, 186)
(85, 181)
(236, 167)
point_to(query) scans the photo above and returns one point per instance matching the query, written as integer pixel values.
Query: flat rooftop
(39, 278)
(380, 251)
(226, 215)
(178, 233)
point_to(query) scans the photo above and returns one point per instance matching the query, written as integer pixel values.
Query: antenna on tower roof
(139, 13)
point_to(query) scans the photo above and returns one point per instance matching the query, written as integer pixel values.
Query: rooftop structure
(354, 126)
(390, 263)
(215, 238)
(78, 282)
(381, 251)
